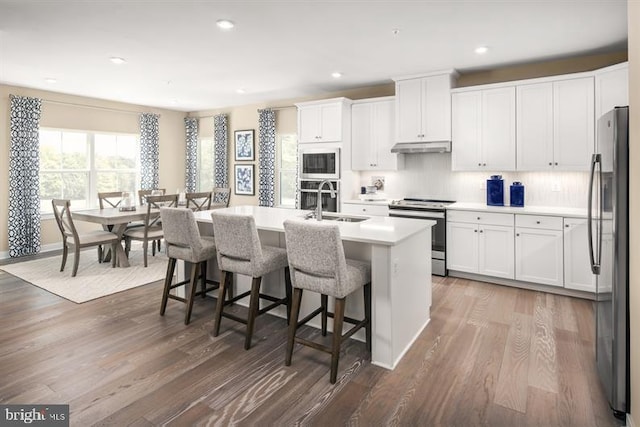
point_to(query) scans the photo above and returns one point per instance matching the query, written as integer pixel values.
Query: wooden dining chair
(200, 201)
(142, 194)
(152, 229)
(72, 239)
(221, 195)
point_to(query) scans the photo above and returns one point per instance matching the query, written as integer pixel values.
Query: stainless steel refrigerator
(609, 250)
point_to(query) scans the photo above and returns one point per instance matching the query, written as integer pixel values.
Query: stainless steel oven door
(438, 235)
(309, 196)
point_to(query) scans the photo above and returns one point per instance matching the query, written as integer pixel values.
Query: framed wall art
(244, 180)
(244, 144)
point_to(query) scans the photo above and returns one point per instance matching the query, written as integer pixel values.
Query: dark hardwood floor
(492, 355)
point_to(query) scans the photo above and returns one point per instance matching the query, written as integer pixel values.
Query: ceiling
(177, 58)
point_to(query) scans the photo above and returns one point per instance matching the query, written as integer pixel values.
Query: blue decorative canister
(495, 191)
(516, 191)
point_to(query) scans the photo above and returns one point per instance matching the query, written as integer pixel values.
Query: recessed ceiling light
(336, 75)
(51, 80)
(241, 91)
(225, 24)
(117, 60)
(480, 50)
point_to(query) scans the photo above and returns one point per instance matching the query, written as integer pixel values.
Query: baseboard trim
(523, 285)
(630, 422)
(51, 247)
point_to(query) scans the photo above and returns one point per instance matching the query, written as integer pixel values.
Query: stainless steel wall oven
(308, 195)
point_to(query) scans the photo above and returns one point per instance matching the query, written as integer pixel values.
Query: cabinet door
(466, 131)
(309, 124)
(362, 144)
(436, 108)
(612, 89)
(496, 255)
(408, 110)
(367, 209)
(331, 123)
(534, 130)
(462, 247)
(498, 146)
(573, 111)
(539, 256)
(383, 136)
(577, 266)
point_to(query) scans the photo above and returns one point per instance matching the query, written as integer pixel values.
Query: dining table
(115, 218)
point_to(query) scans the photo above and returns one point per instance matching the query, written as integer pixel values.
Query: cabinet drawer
(365, 209)
(480, 217)
(539, 221)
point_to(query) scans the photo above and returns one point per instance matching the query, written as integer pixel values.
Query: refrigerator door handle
(595, 265)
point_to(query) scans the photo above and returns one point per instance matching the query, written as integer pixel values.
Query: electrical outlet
(555, 186)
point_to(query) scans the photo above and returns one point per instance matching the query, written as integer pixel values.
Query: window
(288, 169)
(77, 165)
(206, 175)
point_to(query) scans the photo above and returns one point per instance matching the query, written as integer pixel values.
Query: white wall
(431, 175)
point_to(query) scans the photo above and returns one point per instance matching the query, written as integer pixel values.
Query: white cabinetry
(323, 121)
(480, 242)
(372, 135)
(612, 88)
(368, 209)
(555, 128)
(484, 129)
(539, 249)
(577, 266)
(423, 107)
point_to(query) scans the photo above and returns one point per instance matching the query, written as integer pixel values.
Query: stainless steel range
(425, 208)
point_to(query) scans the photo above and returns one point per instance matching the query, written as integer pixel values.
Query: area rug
(94, 279)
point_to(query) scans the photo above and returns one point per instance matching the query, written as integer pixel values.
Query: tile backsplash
(430, 175)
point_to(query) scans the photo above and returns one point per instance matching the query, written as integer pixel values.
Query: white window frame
(280, 169)
(199, 166)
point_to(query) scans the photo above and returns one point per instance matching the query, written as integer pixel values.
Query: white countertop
(378, 230)
(529, 210)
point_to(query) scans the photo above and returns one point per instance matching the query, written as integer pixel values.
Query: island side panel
(401, 296)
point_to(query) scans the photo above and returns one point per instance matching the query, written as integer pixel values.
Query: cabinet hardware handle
(478, 218)
(482, 231)
(475, 231)
(537, 222)
(556, 163)
(479, 164)
(550, 164)
(566, 225)
(484, 164)
(517, 234)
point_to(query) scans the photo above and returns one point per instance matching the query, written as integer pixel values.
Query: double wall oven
(425, 208)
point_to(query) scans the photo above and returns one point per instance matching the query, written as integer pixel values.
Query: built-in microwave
(319, 163)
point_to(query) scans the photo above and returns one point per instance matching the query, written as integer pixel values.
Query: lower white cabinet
(539, 249)
(577, 266)
(368, 209)
(480, 242)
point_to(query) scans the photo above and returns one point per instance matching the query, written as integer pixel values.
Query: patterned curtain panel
(149, 151)
(191, 176)
(221, 142)
(267, 161)
(24, 182)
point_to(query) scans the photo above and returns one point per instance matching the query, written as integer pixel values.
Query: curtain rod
(73, 104)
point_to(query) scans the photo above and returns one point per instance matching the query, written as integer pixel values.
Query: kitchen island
(401, 280)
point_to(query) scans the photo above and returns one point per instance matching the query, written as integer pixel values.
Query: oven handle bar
(416, 214)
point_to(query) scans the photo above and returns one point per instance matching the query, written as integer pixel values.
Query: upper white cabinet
(484, 129)
(555, 125)
(612, 88)
(423, 107)
(372, 135)
(322, 121)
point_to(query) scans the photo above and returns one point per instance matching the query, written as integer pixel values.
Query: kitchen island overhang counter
(401, 279)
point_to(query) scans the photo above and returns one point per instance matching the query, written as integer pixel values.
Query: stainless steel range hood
(422, 147)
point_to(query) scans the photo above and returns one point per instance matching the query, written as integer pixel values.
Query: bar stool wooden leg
(288, 289)
(224, 282)
(203, 275)
(293, 324)
(337, 338)
(324, 300)
(171, 265)
(194, 285)
(367, 314)
(254, 304)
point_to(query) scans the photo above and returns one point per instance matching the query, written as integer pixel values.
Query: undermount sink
(329, 216)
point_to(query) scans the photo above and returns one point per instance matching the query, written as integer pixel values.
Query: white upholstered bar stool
(318, 264)
(183, 241)
(239, 251)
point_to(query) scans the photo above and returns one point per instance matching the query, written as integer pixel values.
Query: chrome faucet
(333, 196)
